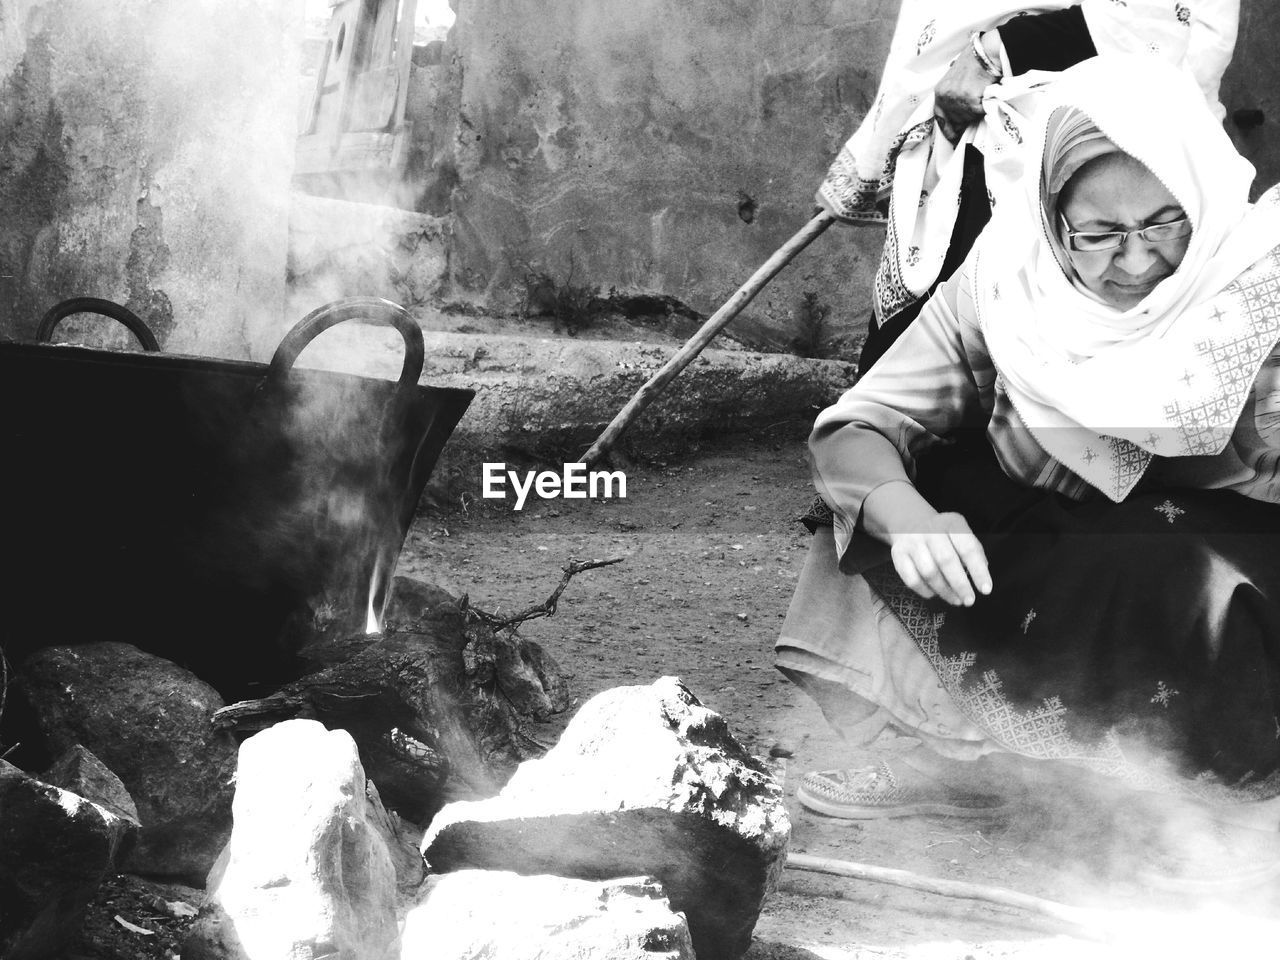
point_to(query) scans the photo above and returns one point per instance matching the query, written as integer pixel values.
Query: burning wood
(435, 703)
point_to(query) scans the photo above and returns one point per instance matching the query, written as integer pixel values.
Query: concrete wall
(1252, 83)
(651, 146)
(338, 248)
(145, 154)
(658, 146)
(667, 147)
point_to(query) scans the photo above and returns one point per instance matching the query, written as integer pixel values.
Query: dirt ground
(711, 554)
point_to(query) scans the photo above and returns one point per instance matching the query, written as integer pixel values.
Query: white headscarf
(1103, 389)
(896, 152)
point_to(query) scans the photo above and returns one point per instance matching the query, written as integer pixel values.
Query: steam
(354, 229)
(433, 17)
(351, 234)
(1209, 930)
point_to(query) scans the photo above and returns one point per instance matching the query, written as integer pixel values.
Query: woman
(965, 71)
(1071, 456)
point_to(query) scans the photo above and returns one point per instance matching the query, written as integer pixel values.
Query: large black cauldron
(214, 512)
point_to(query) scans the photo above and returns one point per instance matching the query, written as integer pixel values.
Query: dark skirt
(1143, 637)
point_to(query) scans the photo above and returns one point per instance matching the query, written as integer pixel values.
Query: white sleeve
(1197, 34)
(1214, 25)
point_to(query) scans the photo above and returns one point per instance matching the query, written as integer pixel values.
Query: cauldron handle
(107, 308)
(374, 309)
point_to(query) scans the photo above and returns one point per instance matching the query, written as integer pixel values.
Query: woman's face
(1117, 193)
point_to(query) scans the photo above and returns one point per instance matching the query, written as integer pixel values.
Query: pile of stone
(142, 783)
(647, 832)
(123, 763)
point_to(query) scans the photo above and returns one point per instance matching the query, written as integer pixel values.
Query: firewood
(424, 700)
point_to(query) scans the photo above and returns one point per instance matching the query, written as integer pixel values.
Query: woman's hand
(944, 559)
(957, 99)
(935, 554)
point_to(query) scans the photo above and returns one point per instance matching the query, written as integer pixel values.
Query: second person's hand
(957, 99)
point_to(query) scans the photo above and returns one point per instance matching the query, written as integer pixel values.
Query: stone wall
(145, 154)
(664, 147)
(650, 146)
(1252, 85)
(658, 146)
(340, 248)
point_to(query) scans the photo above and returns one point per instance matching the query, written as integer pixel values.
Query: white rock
(644, 781)
(306, 873)
(491, 913)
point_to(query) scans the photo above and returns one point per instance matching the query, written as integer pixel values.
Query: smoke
(1193, 932)
(160, 141)
(148, 148)
(150, 152)
(367, 157)
(433, 18)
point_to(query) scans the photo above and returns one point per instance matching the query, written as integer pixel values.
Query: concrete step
(545, 399)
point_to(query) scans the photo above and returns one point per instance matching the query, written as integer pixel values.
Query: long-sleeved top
(1035, 41)
(1047, 41)
(939, 378)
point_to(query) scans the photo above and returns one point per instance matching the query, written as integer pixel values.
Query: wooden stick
(1086, 922)
(547, 607)
(715, 323)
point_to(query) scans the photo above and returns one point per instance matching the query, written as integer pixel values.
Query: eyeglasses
(1156, 233)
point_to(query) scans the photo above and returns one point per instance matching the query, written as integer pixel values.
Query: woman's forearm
(896, 507)
(922, 389)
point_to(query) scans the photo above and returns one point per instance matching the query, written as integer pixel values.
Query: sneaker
(876, 792)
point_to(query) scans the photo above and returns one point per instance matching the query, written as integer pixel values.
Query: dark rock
(55, 849)
(79, 771)
(148, 720)
(402, 839)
